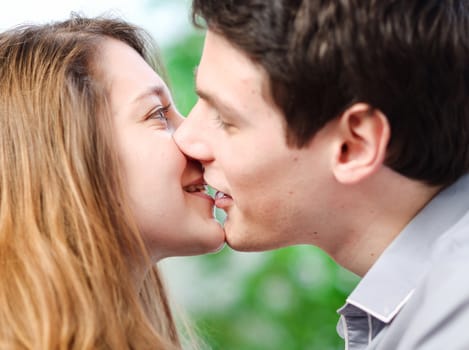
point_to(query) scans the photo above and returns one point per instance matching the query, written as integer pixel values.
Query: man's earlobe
(363, 134)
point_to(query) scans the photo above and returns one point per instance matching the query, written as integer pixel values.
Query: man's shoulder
(437, 314)
(453, 244)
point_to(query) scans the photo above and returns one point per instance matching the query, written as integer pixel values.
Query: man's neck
(379, 210)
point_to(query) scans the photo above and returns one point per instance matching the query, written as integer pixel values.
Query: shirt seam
(370, 329)
(345, 328)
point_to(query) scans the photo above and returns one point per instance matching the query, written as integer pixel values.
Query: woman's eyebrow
(157, 90)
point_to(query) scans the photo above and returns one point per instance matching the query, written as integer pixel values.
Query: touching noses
(191, 140)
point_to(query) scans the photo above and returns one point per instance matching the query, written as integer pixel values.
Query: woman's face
(166, 191)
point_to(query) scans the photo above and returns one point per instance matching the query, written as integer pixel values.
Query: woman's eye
(160, 113)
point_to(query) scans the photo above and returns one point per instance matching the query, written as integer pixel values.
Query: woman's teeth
(195, 188)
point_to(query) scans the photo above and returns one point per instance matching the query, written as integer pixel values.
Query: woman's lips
(199, 190)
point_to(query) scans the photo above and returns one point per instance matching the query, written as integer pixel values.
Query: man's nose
(193, 139)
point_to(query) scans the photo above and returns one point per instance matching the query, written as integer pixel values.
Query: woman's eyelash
(160, 112)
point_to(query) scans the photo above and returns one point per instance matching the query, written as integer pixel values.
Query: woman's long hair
(67, 238)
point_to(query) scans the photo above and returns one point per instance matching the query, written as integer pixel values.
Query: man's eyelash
(220, 122)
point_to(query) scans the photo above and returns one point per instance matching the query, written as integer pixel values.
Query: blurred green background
(278, 300)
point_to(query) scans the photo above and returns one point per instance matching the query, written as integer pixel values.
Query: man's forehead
(226, 76)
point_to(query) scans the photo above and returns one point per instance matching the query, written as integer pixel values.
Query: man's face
(272, 194)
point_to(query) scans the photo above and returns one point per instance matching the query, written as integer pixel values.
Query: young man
(345, 124)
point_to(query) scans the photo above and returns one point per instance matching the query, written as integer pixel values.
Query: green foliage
(181, 60)
(288, 299)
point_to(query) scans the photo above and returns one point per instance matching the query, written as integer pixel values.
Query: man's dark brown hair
(407, 58)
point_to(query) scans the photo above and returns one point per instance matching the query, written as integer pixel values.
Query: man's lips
(223, 200)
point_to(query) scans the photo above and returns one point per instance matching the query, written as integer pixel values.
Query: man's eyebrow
(211, 99)
(157, 90)
(205, 96)
(200, 93)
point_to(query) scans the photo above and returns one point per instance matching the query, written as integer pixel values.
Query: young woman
(93, 190)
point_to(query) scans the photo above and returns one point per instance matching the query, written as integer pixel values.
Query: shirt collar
(392, 279)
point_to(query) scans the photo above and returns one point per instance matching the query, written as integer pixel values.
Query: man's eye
(221, 123)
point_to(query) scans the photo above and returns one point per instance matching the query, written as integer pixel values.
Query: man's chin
(241, 238)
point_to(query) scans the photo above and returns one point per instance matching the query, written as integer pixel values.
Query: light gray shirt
(416, 295)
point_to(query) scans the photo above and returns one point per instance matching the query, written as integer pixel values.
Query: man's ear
(362, 137)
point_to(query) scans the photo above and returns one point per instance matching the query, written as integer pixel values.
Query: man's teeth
(220, 195)
(195, 188)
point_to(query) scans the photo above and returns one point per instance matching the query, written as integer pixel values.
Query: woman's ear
(363, 135)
